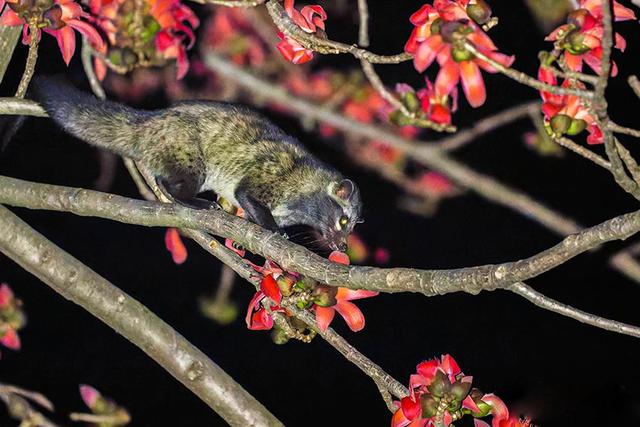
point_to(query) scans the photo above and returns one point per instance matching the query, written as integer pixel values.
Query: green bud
(436, 25)
(411, 101)
(452, 31)
(440, 385)
(460, 390)
(399, 119)
(461, 54)
(480, 12)
(324, 296)
(485, 409)
(285, 284)
(279, 336)
(575, 43)
(560, 123)
(577, 126)
(305, 283)
(429, 406)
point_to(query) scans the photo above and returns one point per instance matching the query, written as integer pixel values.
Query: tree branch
(296, 258)
(324, 46)
(9, 36)
(76, 282)
(547, 303)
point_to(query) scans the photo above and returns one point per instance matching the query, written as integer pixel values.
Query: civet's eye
(343, 221)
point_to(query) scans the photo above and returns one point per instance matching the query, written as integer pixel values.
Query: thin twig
(17, 401)
(30, 65)
(623, 129)
(566, 310)
(582, 151)
(625, 262)
(573, 75)
(377, 374)
(487, 124)
(363, 30)
(634, 83)
(525, 79)
(87, 64)
(411, 118)
(76, 282)
(325, 46)
(119, 418)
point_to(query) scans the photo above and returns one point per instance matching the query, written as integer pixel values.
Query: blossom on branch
(144, 33)
(581, 37)
(56, 17)
(440, 33)
(311, 20)
(567, 114)
(440, 393)
(12, 318)
(230, 32)
(107, 412)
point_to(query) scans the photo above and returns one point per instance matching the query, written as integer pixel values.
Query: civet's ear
(345, 189)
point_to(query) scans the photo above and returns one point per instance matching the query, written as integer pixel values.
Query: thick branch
(76, 282)
(8, 39)
(296, 258)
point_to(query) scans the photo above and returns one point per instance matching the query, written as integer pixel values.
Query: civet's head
(341, 211)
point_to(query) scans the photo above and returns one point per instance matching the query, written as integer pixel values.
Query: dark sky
(554, 369)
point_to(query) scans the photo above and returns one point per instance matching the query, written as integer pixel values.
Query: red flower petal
(622, 13)
(88, 31)
(89, 395)
(498, 408)
(6, 295)
(595, 134)
(428, 369)
(399, 420)
(270, 288)
(10, 339)
(10, 18)
(422, 15)
(472, 83)
(346, 294)
(351, 315)
(450, 365)
(261, 320)
(411, 409)
(66, 42)
(339, 257)
(573, 62)
(174, 244)
(324, 317)
(469, 403)
(426, 52)
(479, 423)
(448, 77)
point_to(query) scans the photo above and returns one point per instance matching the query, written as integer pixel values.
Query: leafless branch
(76, 282)
(296, 258)
(9, 36)
(363, 29)
(547, 303)
(19, 407)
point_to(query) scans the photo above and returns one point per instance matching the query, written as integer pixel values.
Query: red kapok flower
(56, 17)
(258, 318)
(12, 318)
(349, 312)
(436, 382)
(310, 19)
(581, 37)
(439, 34)
(174, 245)
(566, 114)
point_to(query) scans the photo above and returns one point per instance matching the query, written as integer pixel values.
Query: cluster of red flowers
(310, 19)
(56, 17)
(441, 32)
(160, 30)
(578, 41)
(12, 318)
(440, 393)
(324, 300)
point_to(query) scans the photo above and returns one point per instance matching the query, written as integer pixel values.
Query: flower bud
(461, 54)
(440, 385)
(480, 12)
(279, 336)
(54, 16)
(452, 31)
(460, 390)
(435, 26)
(575, 43)
(324, 296)
(411, 101)
(560, 123)
(577, 17)
(577, 126)
(429, 406)
(285, 284)
(305, 283)
(399, 119)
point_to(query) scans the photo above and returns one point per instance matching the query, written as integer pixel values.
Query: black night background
(551, 368)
